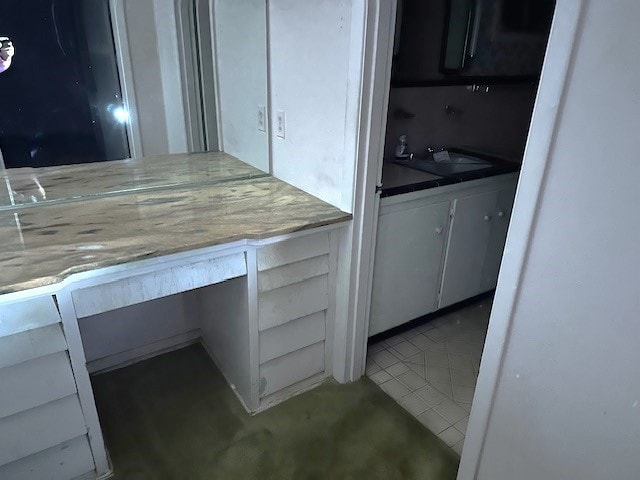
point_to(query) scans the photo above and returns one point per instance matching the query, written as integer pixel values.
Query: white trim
(83, 383)
(187, 58)
(125, 72)
(138, 354)
(176, 108)
(378, 52)
(547, 111)
(254, 329)
(216, 69)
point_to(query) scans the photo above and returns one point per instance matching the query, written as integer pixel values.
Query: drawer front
(292, 251)
(35, 383)
(292, 273)
(23, 315)
(292, 368)
(284, 304)
(25, 346)
(70, 459)
(40, 428)
(292, 336)
(133, 290)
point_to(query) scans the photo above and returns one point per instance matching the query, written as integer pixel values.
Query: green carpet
(174, 417)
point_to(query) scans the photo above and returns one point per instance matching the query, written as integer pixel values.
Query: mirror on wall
(99, 80)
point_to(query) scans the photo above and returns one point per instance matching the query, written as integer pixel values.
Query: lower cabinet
(408, 262)
(468, 241)
(499, 228)
(438, 247)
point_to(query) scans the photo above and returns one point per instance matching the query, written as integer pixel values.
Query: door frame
(359, 246)
(547, 111)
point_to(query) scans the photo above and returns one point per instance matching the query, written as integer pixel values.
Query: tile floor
(432, 369)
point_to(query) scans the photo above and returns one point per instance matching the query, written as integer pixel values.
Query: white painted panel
(225, 331)
(294, 301)
(292, 336)
(34, 383)
(25, 315)
(293, 273)
(133, 290)
(294, 367)
(241, 55)
(40, 428)
(294, 250)
(407, 265)
(68, 460)
(31, 344)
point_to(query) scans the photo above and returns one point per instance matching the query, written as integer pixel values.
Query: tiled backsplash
(495, 123)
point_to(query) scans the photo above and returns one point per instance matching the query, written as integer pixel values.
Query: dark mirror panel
(62, 101)
(460, 22)
(450, 42)
(526, 16)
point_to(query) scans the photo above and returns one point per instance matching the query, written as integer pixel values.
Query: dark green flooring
(174, 417)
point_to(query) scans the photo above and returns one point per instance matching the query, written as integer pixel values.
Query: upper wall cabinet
(458, 41)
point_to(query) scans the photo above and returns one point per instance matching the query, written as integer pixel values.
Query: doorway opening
(463, 84)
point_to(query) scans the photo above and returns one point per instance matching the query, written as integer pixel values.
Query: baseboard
(291, 391)
(138, 354)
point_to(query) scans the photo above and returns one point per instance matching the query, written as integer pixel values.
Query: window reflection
(62, 101)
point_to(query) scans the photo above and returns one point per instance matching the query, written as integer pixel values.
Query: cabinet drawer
(138, 289)
(292, 336)
(40, 428)
(25, 346)
(292, 273)
(23, 315)
(289, 369)
(34, 383)
(282, 305)
(291, 251)
(70, 459)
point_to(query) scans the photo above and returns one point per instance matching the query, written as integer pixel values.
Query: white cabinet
(437, 247)
(408, 262)
(499, 227)
(468, 242)
(40, 411)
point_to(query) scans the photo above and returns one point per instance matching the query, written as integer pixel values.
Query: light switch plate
(280, 124)
(262, 118)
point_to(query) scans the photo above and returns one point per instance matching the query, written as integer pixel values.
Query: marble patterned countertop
(29, 186)
(43, 244)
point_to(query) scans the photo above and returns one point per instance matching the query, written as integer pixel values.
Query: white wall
(316, 67)
(241, 56)
(567, 405)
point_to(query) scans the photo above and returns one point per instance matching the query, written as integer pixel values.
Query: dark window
(61, 99)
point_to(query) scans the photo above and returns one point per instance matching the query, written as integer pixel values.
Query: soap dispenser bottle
(402, 149)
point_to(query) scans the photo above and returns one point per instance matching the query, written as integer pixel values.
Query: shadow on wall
(495, 123)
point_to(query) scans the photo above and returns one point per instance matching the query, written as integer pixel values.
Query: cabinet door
(408, 261)
(501, 219)
(468, 243)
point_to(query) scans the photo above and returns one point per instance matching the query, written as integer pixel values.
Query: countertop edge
(52, 280)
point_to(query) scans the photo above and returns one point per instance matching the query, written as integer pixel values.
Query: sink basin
(456, 163)
(459, 158)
